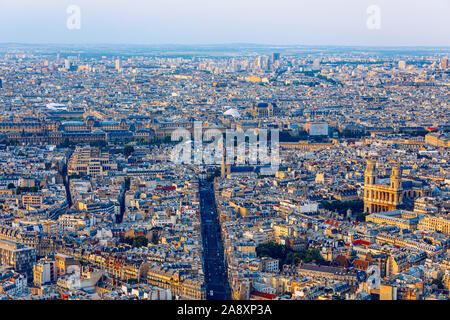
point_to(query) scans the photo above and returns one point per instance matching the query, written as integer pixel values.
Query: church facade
(379, 197)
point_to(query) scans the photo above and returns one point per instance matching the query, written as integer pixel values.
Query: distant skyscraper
(118, 65)
(275, 57)
(67, 64)
(402, 64)
(444, 63)
(259, 62)
(316, 63)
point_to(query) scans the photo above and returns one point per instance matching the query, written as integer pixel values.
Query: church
(383, 197)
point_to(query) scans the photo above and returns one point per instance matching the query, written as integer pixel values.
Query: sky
(283, 22)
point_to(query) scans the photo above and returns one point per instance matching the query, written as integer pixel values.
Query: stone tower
(370, 174)
(396, 178)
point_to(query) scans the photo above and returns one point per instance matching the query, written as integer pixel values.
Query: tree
(128, 150)
(98, 144)
(216, 173)
(353, 134)
(67, 144)
(128, 240)
(438, 283)
(286, 255)
(21, 190)
(342, 207)
(286, 136)
(140, 241)
(74, 176)
(361, 217)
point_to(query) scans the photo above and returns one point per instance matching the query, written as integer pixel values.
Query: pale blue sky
(308, 22)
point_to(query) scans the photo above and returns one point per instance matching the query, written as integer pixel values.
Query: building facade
(379, 197)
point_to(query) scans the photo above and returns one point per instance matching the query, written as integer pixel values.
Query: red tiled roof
(360, 264)
(361, 242)
(262, 295)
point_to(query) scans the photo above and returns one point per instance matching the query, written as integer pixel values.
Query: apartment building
(88, 161)
(17, 256)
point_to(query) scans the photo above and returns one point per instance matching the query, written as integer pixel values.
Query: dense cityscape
(95, 204)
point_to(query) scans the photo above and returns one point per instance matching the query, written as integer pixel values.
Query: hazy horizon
(405, 23)
(221, 44)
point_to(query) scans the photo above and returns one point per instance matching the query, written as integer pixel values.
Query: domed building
(232, 112)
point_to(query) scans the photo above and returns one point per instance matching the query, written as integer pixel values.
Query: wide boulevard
(213, 254)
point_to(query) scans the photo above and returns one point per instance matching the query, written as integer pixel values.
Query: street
(213, 254)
